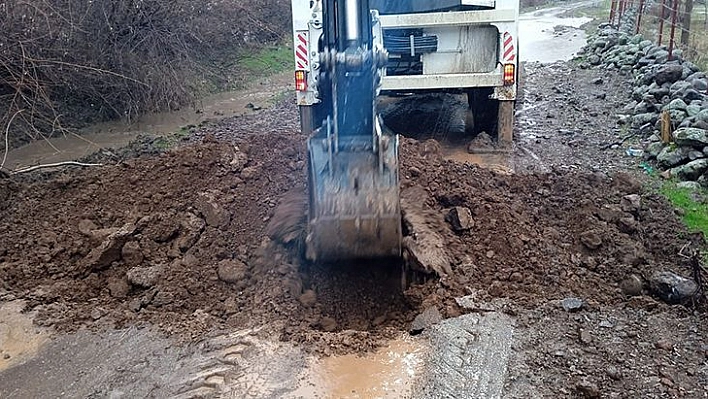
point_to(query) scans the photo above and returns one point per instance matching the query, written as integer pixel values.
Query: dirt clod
(132, 254)
(232, 271)
(588, 389)
(428, 318)
(144, 277)
(308, 298)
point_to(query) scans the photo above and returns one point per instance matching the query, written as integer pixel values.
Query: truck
(348, 52)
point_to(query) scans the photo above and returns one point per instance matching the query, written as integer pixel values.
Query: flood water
(119, 133)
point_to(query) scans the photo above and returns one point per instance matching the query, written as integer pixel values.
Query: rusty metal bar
(639, 16)
(613, 10)
(674, 14)
(661, 21)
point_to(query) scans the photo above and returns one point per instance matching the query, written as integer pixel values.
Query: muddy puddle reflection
(390, 372)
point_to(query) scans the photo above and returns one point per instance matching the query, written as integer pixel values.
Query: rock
(428, 318)
(308, 298)
(692, 170)
(598, 81)
(460, 218)
(118, 287)
(671, 287)
(632, 286)
(591, 239)
(96, 314)
(671, 156)
(110, 249)
(328, 324)
(700, 85)
(250, 172)
(702, 116)
(132, 254)
(667, 73)
(691, 136)
(627, 224)
(588, 389)
(644, 118)
(191, 229)
(664, 344)
(572, 304)
(613, 373)
(163, 298)
(144, 277)
(594, 59)
(654, 149)
(232, 271)
(690, 95)
(238, 161)
(677, 104)
(585, 336)
(214, 214)
(631, 203)
(693, 155)
(86, 227)
(689, 185)
(693, 110)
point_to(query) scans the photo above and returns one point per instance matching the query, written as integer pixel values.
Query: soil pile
(180, 241)
(539, 237)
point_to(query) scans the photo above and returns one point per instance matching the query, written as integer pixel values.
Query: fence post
(639, 16)
(661, 20)
(613, 8)
(674, 13)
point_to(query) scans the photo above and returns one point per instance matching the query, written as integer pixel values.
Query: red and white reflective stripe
(509, 52)
(301, 60)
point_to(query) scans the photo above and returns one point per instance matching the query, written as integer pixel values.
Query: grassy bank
(692, 203)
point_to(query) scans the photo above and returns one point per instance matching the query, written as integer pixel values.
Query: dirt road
(155, 277)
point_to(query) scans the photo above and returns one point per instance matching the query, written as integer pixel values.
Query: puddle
(545, 36)
(498, 162)
(19, 339)
(390, 372)
(118, 133)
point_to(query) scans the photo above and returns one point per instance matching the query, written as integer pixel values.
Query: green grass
(267, 61)
(695, 212)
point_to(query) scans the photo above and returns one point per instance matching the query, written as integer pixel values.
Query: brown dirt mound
(179, 241)
(548, 236)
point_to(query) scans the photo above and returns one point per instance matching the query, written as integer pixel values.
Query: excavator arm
(354, 204)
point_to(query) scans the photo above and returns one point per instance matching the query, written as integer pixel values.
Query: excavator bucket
(354, 198)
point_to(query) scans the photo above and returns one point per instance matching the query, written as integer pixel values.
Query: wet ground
(173, 314)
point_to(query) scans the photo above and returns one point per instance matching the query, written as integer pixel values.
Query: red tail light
(300, 80)
(509, 74)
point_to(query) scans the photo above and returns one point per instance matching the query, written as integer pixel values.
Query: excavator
(342, 62)
(354, 207)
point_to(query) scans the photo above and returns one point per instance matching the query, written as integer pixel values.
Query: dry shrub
(76, 61)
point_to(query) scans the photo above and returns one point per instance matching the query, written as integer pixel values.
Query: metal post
(613, 8)
(674, 14)
(619, 13)
(661, 20)
(639, 16)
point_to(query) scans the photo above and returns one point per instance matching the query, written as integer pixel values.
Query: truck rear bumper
(446, 81)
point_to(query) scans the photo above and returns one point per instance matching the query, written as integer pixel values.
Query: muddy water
(547, 36)
(390, 372)
(119, 133)
(19, 338)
